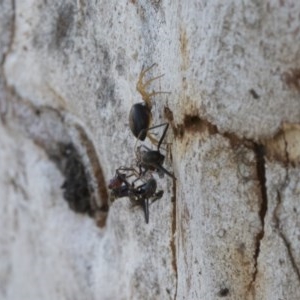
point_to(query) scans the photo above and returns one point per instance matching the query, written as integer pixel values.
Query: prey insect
(140, 195)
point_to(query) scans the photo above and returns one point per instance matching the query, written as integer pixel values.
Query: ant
(142, 194)
(140, 116)
(153, 159)
(138, 195)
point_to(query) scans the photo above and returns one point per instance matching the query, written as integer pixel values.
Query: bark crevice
(261, 176)
(285, 240)
(173, 232)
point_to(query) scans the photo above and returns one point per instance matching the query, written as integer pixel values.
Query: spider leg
(141, 86)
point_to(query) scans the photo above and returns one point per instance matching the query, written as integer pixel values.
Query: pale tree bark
(227, 227)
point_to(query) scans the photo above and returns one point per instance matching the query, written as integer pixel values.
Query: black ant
(138, 195)
(141, 195)
(153, 159)
(140, 116)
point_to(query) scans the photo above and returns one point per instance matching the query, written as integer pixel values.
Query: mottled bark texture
(227, 227)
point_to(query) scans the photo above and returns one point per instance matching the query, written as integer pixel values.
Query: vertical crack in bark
(283, 237)
(169, 116)
(96, 169)
(261, 175)
(173, 237)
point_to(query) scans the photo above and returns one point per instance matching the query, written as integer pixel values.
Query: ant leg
(157, 196)
(161, 168)
(163, 136)
(145, 205)
(152, 139)
(157, 126)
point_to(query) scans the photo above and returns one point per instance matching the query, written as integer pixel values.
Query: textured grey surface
(228, 227)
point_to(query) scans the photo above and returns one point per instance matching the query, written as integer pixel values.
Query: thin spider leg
(124, 177)
(126, 169)
(151, 80)
(144, 71)
(142, 86)
(156, 93)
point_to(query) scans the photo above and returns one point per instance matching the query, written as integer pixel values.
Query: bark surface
(227, 227)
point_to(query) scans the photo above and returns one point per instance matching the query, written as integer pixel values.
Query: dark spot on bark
(223, 292)
(106, 92)
(156, 4)
(194, 124)
(168, 114)
(281, 262)
(254, 94)
(75, 186)
(121, 61)
(191, 123)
